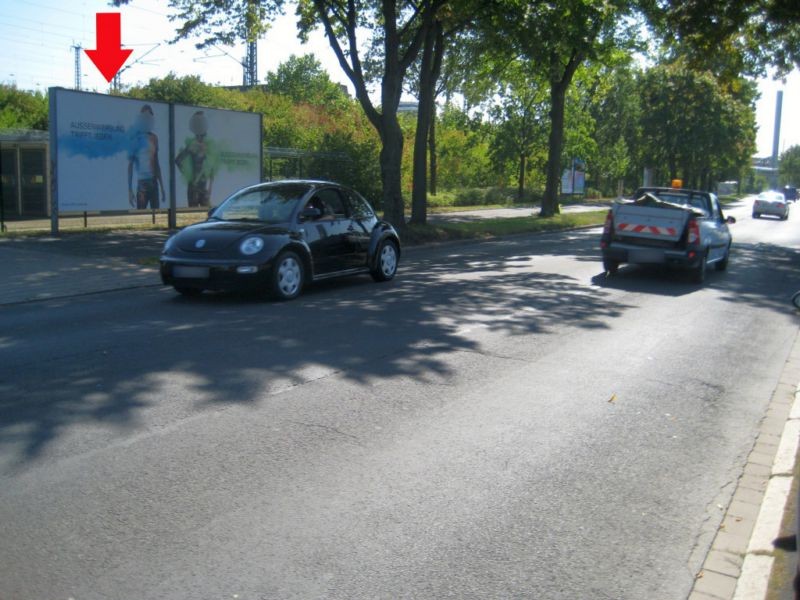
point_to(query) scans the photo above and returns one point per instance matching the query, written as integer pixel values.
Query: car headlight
(251, 245)
(168, 244)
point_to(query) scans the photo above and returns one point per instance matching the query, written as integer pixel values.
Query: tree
(402, 27)
(304, 80)
(430, 68)
(521, 117)
(731, 38)
(22, 109)
(693, 127)
(615, 106)
(558, 37)
(172, 88)
(789, 167)
(222, 22)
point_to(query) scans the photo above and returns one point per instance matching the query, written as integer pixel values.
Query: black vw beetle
(276, 237)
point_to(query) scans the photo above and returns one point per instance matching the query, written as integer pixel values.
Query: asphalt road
(500, 421)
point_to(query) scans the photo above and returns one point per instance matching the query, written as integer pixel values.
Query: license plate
(184, 272)
(646, 256)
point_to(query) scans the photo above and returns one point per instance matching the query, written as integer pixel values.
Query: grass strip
(414, 235)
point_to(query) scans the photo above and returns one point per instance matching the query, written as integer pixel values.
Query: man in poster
(143, 158)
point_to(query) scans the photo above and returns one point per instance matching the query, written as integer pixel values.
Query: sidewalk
(739, 564)
(40, 268)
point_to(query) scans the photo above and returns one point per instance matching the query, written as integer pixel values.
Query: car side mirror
(211, 211)
(310, 213)
(730, 220)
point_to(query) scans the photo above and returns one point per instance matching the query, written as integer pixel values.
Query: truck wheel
(699, 272)
(756, 215)
(610, 266)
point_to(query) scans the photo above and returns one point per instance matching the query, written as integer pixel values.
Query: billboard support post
(53, 125)
(172, 221)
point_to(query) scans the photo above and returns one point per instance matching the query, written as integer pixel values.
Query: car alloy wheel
(387, 262)
(288, 276)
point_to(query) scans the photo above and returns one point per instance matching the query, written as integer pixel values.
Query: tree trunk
(419, 184)
(558, 97)
(554, 145)
(391, 160)
(432, 52)
(432, 154)
(521, 179)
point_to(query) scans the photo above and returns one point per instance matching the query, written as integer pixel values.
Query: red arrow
(109, 56)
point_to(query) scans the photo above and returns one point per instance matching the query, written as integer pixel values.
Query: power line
(55, 8)
(39, 31)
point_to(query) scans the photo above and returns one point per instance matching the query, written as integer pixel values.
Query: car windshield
(771, 197)
(273, 204)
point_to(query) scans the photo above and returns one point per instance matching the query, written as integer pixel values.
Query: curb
(739, 562)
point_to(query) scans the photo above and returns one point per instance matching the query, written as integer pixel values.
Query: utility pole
(776, 139)
(250, 65)
(78, 48)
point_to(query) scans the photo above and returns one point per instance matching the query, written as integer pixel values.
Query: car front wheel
(386, 266)
(287, 276)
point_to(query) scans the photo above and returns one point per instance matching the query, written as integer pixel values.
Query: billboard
(573, 180)
(216, 153)
(111, 153)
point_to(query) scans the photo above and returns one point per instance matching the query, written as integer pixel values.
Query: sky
(39, 35)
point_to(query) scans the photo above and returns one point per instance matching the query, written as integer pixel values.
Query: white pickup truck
(670, 226)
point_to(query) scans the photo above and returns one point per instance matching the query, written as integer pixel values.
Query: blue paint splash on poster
(104, 140)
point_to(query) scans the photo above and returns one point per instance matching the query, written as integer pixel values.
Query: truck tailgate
(665, 223)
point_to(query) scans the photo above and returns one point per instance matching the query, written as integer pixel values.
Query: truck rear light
(694, 233)
(608, 228)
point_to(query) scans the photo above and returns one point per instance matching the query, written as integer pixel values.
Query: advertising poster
(573, 182)
(111, 153)
(216, 153)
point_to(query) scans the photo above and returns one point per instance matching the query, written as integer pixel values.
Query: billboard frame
(171, 192)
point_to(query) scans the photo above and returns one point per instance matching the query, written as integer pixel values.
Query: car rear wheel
(699, 272)
(756, 215)
(386, 267)
(287, 276)
(610, 266)
(723, 264)
(188, 291)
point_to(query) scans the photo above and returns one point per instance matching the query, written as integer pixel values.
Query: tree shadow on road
(138, 353)
(150, 348)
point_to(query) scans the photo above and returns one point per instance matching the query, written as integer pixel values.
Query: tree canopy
(303, 79)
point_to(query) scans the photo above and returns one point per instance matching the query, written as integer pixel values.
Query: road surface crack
(327, 428)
